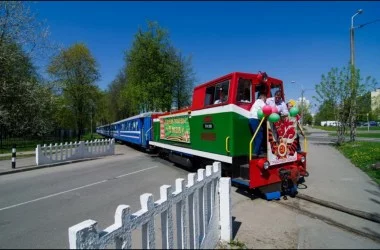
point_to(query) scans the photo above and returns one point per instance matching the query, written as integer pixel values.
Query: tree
(157, 75)
(363, 106)
(340, 88)
(75, 71)
(118, 103)
(325, 112)
(26, 105)
(184, 82)
(20, 26)
(335, 89)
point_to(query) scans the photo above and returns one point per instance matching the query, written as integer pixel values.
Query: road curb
(24, 169)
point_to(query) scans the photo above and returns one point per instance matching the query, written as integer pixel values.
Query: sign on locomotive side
(175, 128)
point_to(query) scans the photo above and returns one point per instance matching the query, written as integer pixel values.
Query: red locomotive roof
(230, 75)
(199, 95)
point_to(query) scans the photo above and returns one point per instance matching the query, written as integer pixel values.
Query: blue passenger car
(135, 129)
(104, 130)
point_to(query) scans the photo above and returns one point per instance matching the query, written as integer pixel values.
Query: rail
(253, 137)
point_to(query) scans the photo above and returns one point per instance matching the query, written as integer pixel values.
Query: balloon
(267, 110)
(274, 109)
(274, 117)
(260, 114)
(293, 111)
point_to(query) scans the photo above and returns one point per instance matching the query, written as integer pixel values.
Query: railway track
(351, 220)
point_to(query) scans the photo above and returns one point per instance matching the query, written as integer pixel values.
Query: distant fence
(203, 217)
(73, 151)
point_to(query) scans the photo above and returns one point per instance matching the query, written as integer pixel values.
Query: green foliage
(26, 105)
(308, 119)
(155, 75)
(75, 72)
(338, 92)
(364, 106)
(325, 113)
(363, 155)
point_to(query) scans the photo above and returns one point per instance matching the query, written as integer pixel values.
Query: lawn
(366, 135)
(363, 155)
(357, 129)
(30, 145)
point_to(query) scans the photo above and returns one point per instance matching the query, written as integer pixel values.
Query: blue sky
(293, 41)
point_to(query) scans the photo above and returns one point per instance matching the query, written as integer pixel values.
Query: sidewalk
(270, 224)
(21, 163)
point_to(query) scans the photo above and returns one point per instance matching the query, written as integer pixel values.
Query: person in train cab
(290, 105)
(222, 98)
(254, 122)
(277, 101)
(246, 96)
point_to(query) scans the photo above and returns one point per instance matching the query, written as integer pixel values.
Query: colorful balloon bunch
(272, 113)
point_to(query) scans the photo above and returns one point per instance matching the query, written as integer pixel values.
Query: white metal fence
(73, 151)
(203, 217)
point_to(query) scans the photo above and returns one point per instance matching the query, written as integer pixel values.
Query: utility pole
(353, 79)
(302, 107)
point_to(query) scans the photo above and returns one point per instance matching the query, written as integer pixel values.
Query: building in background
(375, 102)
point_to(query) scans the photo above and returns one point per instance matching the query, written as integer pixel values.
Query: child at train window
(223, 98)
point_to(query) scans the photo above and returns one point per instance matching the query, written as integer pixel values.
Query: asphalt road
(38, 207)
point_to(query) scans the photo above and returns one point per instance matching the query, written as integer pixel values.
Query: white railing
(203, 217)
(73, 151)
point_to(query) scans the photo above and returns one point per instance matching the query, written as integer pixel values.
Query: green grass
(19, 149)
(357, 129)
(363, 155)
(369, 135)
(30, 145)
(9, 157)
(233, 244)
(366, 135)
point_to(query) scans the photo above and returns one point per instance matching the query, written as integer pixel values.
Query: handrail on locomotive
(253, 137)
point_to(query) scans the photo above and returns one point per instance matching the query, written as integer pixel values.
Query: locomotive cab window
(274, 89)
(244, 91)
(259, 89)
(217, 94)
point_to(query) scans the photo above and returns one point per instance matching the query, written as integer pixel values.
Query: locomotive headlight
(303, 159)
(266, 165)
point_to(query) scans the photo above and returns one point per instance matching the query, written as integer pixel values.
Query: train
(215, 127)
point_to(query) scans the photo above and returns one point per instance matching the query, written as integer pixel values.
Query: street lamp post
(353, 84)
(352, 43)
(302, 107)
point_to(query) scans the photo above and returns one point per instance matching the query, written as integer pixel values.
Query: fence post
(84, 235)
(38, 151)
(14, 156)
(225, 209)
(113, 146)
(147, 229)
(81, 149)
